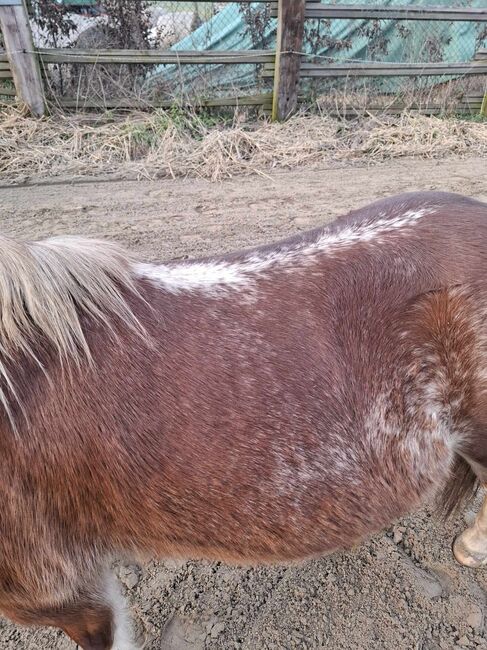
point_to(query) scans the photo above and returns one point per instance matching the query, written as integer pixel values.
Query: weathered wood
(351, 112)
(398, 107)
(480, 55)
(474, 98)
(156, 57)
(379, 69)
(401, 12)
(10, 92)
(472, 103)
(274, 6)
(124, 102)
(224, 1)
(410, 111)
(6, 74)
(392, 69)
(17, 36)
(290, 32)
(483, 108)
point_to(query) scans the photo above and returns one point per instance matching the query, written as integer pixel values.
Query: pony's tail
(460, 489)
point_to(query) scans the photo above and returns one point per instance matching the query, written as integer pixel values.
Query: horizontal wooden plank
(379, 69)
(400, 107)
(397, 12)
(245, 100)
(155, 57)
(222, 1)
(3, 56)
(360, 110)
(480, 55)
(353, 111)
(5, 74)
(318, 11)
(420, 111)
(4, 65)
(385, 70)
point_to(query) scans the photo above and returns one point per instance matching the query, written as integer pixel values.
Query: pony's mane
(45, 288)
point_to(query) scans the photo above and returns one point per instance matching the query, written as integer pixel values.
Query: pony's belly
(291, 533)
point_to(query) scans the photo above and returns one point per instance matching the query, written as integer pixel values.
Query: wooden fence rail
(155, 57)
(263, 100)
(286, 65)
(319, 11)
(5, 75)
(377, 69)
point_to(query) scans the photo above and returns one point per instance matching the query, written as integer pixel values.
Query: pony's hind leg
(90, 625)
(99, 621)
(470, 548)
(94, 619)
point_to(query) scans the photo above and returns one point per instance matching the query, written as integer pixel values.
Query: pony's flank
(45, 289)
(344, 394)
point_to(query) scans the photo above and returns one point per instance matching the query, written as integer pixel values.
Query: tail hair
(460, 490)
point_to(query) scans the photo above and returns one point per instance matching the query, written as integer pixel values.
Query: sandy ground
(400, 590)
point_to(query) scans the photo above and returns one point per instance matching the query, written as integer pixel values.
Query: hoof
(469, 551)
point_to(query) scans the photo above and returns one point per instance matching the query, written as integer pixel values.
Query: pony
(270, 405)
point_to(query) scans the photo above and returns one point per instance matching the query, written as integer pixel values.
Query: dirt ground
(401, 589)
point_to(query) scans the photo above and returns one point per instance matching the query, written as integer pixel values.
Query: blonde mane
(44, 289)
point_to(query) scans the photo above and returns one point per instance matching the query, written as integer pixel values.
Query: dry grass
(177, 144)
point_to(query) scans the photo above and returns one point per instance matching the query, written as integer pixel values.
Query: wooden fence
(286, 65)
(290, 39)
(23, 62)
(5, 72)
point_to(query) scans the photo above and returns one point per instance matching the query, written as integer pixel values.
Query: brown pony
(266, 406)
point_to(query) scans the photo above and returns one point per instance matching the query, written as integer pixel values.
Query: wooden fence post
(483, 108)
(290, 31)
(24, 64)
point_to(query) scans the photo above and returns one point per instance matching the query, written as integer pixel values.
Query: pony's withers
(270, 405)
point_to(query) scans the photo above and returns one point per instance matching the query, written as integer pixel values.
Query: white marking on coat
(215, 276)
(123, 635)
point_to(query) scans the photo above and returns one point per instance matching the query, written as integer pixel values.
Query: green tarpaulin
(401, 41)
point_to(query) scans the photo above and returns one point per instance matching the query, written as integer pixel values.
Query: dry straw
(173, 144)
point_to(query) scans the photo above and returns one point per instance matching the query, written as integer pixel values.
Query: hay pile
(173, 144)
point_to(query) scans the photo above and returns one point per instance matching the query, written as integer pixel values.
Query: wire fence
(175, 26)
(404, 41)
(248, 27)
